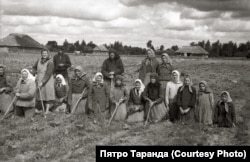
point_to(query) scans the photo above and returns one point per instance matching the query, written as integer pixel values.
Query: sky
(132, 22)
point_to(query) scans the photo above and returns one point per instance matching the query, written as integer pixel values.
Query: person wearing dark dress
(61, 64)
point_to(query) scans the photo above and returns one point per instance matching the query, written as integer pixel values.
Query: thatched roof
(192, 50)
(20, 40)
(101, 48)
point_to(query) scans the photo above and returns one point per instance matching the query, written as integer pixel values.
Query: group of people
(158, 94)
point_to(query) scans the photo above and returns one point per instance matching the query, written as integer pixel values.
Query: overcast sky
(133, 22)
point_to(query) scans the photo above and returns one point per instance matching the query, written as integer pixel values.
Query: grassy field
(73, 138)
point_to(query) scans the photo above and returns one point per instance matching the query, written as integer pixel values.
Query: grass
(74, 138)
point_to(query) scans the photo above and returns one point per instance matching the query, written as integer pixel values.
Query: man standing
(112, 66)
(61, 64)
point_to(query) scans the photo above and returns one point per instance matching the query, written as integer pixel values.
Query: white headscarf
(142, 86)
(96, 75)
(178, 74)
(62, 78)
(30, 76)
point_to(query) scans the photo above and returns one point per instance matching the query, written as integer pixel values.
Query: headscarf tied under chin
(81, 72)
(229, 99)
(189, 86)
(179, 76)
(168, 58)
(96, 75)
(63, 83)
(141, 88)
(207, 89)
(30, 76)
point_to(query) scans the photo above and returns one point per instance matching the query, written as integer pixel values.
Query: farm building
(19, 43)
(192, 51)
(100, 50)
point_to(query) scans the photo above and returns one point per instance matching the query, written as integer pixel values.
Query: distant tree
(162, 48)
(193, 44)
(83, 43)
(208, 46)
(71, 48)
(52, 46)
(77, 46)
(175, 48)
(91, 44)
(202, 44)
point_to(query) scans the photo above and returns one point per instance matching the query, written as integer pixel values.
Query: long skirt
(163, 86)
(121, 112)
(158, 112)
(136, 116)
(188, 118)
(5, 101)
(47, 91)
(146, 79)
(174, 112)
(81, 107)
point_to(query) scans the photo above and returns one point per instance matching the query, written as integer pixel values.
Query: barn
(196, 51)
(100, 50)
(19, 43)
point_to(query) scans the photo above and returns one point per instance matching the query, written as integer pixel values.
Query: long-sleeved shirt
(48, 73)
(171, 91)
(164, 71)
(185, 98)
(27, 90)
(134, 97)
(109, 65)
(119, 92)
(154, 93)
(225, 118)
(61, 59)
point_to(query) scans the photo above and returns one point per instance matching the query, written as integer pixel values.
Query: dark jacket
(5, 84)
(115, 65)
(222, 117)
(61, 59)
(185, 98)
(165, 71)
(154, 92)
(98, 94)
(135, 98)
(144, 69)
(77, 85)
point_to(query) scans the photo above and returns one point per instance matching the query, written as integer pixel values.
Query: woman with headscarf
(119, 96)
(153, 95)
(44, 68)
(25, 92)
(78, 89)
(98, 98)
(224, 115)
(205, 102)
(61, 90)
(186, 99)
(148, 66)
(164, 70)
(171, 96)
(5, 91)
(112, 66)
(136, 103)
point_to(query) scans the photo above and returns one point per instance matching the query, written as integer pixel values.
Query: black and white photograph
(76, 75)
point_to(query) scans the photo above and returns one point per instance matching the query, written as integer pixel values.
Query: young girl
(5, 91)
(205, 102)
(154, 96)
(136, 103)
(224, 114)
(186, 98)
(119, 97)
(25, 93)
(98, 97)
(78, 89)
(171, 96)
(61, 90)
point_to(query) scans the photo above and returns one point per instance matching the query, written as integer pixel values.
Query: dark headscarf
(156, 77)
(117, 56)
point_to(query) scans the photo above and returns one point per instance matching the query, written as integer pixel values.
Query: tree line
(215, 49)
